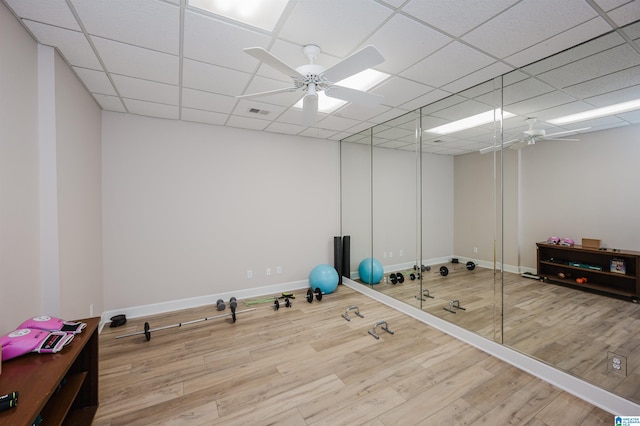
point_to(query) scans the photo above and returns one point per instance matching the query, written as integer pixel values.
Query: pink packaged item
(48, 323)
(567, 242)
(25, 340)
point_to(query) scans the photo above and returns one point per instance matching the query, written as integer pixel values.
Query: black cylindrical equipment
(346, 258)
(337, 257)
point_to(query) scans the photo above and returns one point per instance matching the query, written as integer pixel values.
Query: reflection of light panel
(598, 112)
(258, 13)
(469, 122)
(364, 80)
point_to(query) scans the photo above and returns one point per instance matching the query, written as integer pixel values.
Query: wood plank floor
(565, 327)
(306, 365)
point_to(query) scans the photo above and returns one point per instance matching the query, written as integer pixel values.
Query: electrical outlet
(390, 254)
(475, 249)
(249, 274)
(91, 310)
(401, 252)
(616, 363)
(385, 254)
(278, 269)
(268, 271)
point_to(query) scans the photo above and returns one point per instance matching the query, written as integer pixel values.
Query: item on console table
(585, 266)
(618, 266)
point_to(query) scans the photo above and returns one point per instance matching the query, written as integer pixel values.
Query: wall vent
(258, 111)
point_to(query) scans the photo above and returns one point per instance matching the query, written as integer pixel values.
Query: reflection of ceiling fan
(313, 78)
(532, 135)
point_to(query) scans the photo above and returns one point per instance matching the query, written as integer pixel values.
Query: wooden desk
(37, 376)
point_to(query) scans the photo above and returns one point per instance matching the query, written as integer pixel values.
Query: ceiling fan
(533, 135)
(312, 78)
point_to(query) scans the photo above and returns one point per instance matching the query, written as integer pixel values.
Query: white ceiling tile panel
(612, 60)
(146, 90)
(146, 23)
(531, 106)
(315, 132)
(207, 101)
(337, 26)
(53, 12)
(608, 83)
(477, 77)
(527, 23)
(73, 45)
(450, 63)
(356, 112)
(626, 14)
(137, 62)
(245, 105)
(462, 110)
(247, 123)
(607, 5)
(151, 109)
(95, 81)
(294, 116)
(456, 17)
(627, 94)
(633, 31)
(398, 90)
(200, 116)
(210, 40)
(394, 3)
(564, 40)
(403, 41)
(289, 129)
(525, 89)
(337, 123)
(109, 103)
(425, 99)
(212, 78)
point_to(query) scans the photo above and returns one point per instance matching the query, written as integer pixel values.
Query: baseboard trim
(584, 390)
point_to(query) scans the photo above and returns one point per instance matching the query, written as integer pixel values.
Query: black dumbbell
(396, 278)
(220, 304)
(317, 293)
(276, 303)
(444, 271)
(422, 268)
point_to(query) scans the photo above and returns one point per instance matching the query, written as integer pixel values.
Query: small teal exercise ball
(324, 277)
(370, 270)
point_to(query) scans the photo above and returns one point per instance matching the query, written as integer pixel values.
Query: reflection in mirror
(492, 192)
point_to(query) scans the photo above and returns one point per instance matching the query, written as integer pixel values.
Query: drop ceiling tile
(388, 115)
(626, 14)
(245, 105)
(73, 45)
(209, 40)
(425, 100)
(109, 103)
(395, 145)
(448, 64)
(247, 123)
(145, 90)
(53, 12)
(530, 107)
(398, 91)
(95, 81)
(285, 128)
(151, 109)
(564, 40)
(607, 5)
(146, 23)
(337, 26)
(294, 116)
(525, 89)
(394, 3)
(528, 23)
(314, 132)
(456, 17)
(207, 101)
(357, 112)
(403, 42)
(337, 123)
(212, 78)
(200, 116)
(612, 60)
(477, 77)
(462, 110)
(609, 83)
(137, 62)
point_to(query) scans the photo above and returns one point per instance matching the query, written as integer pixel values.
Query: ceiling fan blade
(361, 60)
(519, 144)
(310, 109)
(270, 92)
(354, 95)
(262, 55)
(557, 139)
(566, 132)
(497, 147)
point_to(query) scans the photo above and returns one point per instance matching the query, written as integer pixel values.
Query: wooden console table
(593, 264)
(62, 387)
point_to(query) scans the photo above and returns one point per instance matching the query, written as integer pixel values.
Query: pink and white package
(45, 322)
(25, 340)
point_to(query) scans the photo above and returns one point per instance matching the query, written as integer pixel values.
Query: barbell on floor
(444, 271)
(148, 330)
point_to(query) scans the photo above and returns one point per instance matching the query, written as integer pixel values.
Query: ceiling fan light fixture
(262, 14)
(470, 122)
(598, 112)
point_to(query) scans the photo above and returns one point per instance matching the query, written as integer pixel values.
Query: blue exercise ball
(324, 277)
(370, 270)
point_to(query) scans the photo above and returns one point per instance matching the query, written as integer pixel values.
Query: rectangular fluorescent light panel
(598, 112)
(469, 122)
(257, 13)
(364, 81)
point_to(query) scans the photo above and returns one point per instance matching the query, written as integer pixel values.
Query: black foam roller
(346, 257)
(337, 257)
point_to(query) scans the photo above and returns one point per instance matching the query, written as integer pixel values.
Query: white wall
(78, 150)
(189, 208)
(582, 189)
(19, 217)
